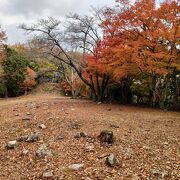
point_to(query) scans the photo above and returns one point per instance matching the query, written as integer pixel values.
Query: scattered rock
(26, 118)
(90, 139)
(83, 134)
(109, 109)
(112, 161)
(89, 148)
(33, 137)
(127, 152)
(76, 167)
(165, 143)
(106, 137)
(42, 126)
(60, 138)
(43, 151)
(80, 134)
(37, 106)
(77, 135)
(28, 113)
(17, 114)
(87, 178)
(47, 174)
(22, 138)
(158, 174)
(146, 147)
(75, 125)
(25, 152)
(114, 126)
(12, 144)
(103, 156)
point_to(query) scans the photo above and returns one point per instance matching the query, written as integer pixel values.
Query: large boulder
(106, 137)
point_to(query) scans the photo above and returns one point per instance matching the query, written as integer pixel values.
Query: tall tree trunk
(101, 92)
(152, 83)
(176, 93)
(126, 90)
(6, 93)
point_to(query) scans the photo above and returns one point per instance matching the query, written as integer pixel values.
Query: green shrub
(14, 66)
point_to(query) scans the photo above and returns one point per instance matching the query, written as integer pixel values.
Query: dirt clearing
(147, 141)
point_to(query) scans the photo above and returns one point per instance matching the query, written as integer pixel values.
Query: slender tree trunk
(6, 93)
(176, 103)
(126, 90)
(25, 92)
(101, 92)
(152, 83)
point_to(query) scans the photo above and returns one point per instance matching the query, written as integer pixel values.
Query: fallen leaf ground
(147, 140)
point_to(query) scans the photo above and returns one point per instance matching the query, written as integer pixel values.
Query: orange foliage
(30, 79)
(142, 37)
(67, 88)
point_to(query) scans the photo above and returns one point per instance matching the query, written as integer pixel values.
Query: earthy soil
(147, 141)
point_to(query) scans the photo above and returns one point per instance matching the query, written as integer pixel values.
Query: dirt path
(147, 141)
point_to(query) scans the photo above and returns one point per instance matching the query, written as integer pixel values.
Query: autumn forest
(90, 92)
(129, 54)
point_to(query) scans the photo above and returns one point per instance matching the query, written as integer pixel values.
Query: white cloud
(14, 12)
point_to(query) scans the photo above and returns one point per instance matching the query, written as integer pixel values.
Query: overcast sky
(15, 12)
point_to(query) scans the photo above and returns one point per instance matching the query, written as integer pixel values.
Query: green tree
(15, 66)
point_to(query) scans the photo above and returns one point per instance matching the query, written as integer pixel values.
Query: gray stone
(112, 161)
(74, 125)
(26, 118)
(159, 174)
(48, 174)
(12, 144)
(127, 152)
(76, 167)
(33, 137)
(43, 151)
(22, 138)
(89, 148)
(42, 126)
(80, 134)
(60, 137)
(25, 152)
